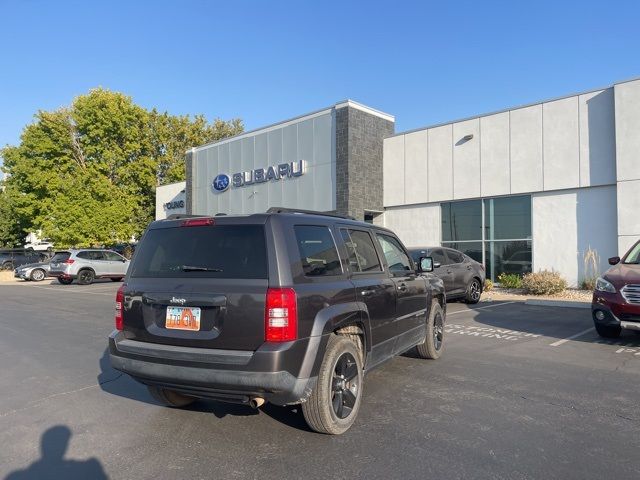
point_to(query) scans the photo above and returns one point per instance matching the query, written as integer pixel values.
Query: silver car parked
(88, 264)
(33, 271)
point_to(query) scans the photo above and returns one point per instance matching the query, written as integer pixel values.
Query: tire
(433, 344)
(86, 277)
(118, 279)
(65, 281)
(607, 331)
(37, 275)
(170, 398)
(7, 266)
(335, 401)
(473, 292)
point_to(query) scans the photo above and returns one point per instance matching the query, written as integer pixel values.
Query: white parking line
(565, 340)
(479, 308)
(74, 290)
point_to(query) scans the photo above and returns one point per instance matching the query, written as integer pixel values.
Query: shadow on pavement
(116, 383)
(553, 322)
(52, 465)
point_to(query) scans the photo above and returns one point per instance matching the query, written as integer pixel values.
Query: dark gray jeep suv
(286, 307)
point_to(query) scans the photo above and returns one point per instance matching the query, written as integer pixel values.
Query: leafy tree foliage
(87, 174)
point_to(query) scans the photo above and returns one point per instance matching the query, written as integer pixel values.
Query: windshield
(219, 251)
(634, 255)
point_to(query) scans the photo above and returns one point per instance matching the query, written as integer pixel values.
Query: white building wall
(417, 225)
(171, 193)
(564, 228)
(555, 145)
(627, 127)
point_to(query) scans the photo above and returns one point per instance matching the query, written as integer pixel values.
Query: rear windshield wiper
(192, 268)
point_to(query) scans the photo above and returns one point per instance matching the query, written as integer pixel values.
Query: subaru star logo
(221, 182)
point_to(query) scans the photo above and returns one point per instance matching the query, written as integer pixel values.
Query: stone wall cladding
(359, 137)
(188, 165)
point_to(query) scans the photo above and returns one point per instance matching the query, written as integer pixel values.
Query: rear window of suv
(60, 257)
(219, 251)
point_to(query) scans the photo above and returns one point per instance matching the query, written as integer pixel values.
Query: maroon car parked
(616, 298)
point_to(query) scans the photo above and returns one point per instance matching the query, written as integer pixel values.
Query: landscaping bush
(588, 284)
(543, 283)
(488, 285)
(510, 280)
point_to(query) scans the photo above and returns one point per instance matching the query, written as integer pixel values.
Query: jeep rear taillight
(119, 307)
(281, 315)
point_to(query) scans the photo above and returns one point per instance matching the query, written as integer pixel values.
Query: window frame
(299, 256)
(381, 268)
(393, 273)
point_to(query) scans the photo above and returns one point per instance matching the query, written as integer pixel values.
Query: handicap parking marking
(633, 351)
(489, 332)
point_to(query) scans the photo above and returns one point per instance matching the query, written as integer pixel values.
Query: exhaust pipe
(256, 402)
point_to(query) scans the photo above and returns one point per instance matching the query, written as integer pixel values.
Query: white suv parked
(88, 264)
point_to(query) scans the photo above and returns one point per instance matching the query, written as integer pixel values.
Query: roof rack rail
(308, 212)
(178, 216)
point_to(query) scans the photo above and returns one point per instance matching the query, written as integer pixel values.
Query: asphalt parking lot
(521, 392)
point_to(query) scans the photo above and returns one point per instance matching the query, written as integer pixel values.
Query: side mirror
(425, 264)
(614, 260)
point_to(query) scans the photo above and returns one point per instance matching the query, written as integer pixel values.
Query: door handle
(366, 293)
(402, 287)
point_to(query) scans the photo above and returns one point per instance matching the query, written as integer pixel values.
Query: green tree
(86, 174)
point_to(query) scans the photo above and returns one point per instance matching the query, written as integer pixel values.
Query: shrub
(510, 280)
(488, 285)
(588, 284)
(543, 283)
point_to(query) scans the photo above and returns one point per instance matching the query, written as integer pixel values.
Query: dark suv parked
(285, 307)
(10, 259)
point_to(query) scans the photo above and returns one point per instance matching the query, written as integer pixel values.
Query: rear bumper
(227, 375)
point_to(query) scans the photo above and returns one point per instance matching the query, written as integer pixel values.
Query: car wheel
(433, 344)
(170, 398)
(7, 266)
(86, 277)
(37, 275)
(65, 280)
(334, 403)
(474, 290)
(118, 279)
(608, 331)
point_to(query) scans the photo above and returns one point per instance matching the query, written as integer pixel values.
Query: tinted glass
(318, 252)
(455, 257)
(462, 220)
(362, 253)
(229, 251)
(60, 257)
(112, 256)
(508, 218)
(416, 254)
(438, 256)
(397, 259)
(508, 257)
(634, 255)
(472, 249)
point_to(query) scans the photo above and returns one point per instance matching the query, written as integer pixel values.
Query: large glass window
(493, 231)
(462, 220)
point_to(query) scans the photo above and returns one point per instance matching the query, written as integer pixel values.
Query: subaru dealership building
(524, 189)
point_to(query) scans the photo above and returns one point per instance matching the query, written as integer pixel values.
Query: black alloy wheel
(474, 290)
(345, 386)
(85, 277)
(438, 331)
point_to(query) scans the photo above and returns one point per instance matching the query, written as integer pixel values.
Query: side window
(455, 257)
(438, 256)
(395, 255)
(362, 253)
(112, 256)
(84, 255)
(318, 252)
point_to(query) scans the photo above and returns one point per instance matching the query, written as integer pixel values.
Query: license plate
(183, 318)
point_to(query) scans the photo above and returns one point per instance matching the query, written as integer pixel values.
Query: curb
(557, 303)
